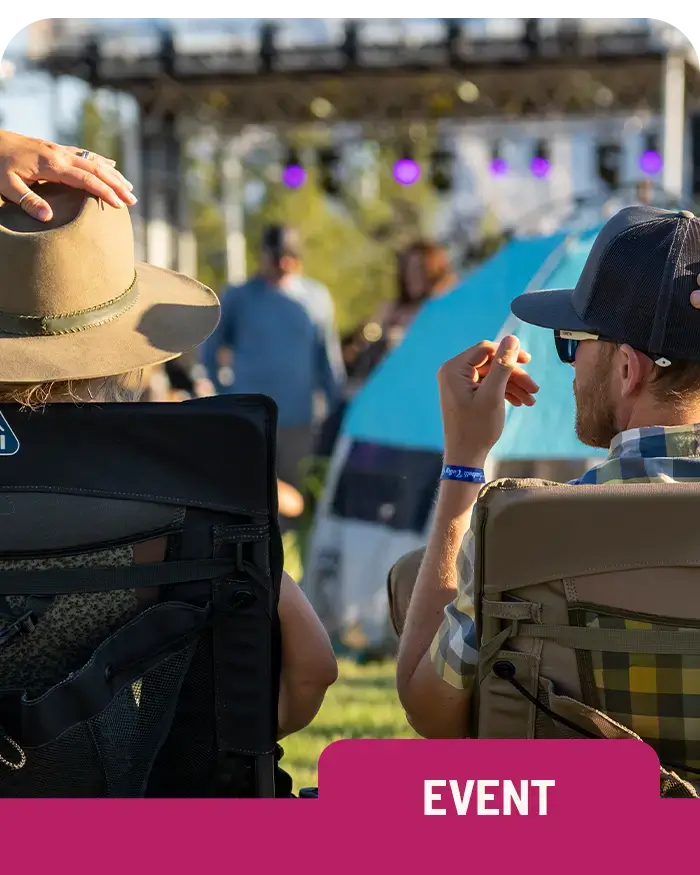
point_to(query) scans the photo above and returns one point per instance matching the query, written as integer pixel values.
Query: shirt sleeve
(223, 336)
(454, 651)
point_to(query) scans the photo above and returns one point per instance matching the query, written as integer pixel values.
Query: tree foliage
(97, 128)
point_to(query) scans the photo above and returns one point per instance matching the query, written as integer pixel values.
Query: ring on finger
(85, 153)
(25, 195)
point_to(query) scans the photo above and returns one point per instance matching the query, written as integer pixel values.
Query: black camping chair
(140, 567)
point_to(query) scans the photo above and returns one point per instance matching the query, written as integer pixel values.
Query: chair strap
(84, 580)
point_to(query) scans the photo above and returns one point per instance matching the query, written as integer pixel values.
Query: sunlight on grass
(292, 555)
(362, 704)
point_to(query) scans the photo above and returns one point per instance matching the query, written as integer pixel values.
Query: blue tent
(399, 406)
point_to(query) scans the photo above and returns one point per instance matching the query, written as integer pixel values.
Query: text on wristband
(466, 475)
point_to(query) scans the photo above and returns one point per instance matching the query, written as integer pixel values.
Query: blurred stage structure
(234, 73)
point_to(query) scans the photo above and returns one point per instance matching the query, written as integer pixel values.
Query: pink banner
(387, 806)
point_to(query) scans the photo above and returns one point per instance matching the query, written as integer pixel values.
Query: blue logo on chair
(9, 444)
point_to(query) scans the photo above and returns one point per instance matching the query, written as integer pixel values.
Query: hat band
(68, 323)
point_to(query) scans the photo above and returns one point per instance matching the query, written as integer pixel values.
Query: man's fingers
(524, 381)
(524, 397)
(483, 352)
(479, 356)
(501, 370)
(17, 191)
(518, 377)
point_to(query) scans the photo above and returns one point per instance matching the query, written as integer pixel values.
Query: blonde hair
(119, 388)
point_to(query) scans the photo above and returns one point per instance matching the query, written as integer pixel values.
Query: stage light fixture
(609, 162)
(406, 170)
(540, 165)
(293, 174)
(330, 171)
(442, 169)
(498, 166)
(651, 161)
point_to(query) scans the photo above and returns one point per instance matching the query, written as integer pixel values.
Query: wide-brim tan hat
(74, 304)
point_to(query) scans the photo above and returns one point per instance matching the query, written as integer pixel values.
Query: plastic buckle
(26, 622)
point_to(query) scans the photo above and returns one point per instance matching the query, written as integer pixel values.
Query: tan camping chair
(588, 614)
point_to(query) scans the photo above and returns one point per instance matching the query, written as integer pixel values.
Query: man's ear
(634, 369)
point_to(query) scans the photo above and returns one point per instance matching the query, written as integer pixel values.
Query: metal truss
(461, 81)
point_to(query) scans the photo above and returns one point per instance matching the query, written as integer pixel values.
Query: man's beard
(595, 415)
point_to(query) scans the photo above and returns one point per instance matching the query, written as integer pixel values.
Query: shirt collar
(657, 441)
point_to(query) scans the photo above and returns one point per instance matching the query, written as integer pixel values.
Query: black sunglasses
(567, 343)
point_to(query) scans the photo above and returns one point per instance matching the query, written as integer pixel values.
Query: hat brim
(172, 314)
(551, 308)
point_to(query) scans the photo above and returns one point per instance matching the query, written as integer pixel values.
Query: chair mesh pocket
(110, 754)
(95, 736)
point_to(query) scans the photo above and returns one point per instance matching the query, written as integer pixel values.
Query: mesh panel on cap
(623, 299)
(682, 335)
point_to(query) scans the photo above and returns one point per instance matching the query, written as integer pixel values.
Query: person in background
(423, 273)
(280, 329)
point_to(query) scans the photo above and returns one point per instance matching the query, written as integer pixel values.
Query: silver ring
(84, 154)
(19, 202)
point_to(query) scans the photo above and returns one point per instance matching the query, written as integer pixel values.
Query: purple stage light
(406, 171)
(540, 167)
(498, 167)
(293, 176)
(651, 162)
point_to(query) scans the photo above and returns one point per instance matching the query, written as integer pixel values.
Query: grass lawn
(362, 704)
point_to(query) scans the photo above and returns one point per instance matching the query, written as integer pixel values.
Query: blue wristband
(465, 475)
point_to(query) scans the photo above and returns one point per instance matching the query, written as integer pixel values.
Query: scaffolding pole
(233, 211)
(674, 117)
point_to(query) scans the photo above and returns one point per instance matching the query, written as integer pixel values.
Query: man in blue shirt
(280, 328)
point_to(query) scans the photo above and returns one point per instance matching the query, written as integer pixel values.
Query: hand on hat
(25, 160)
(473, 389)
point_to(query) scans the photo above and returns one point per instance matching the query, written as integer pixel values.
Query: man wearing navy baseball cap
(631, 330)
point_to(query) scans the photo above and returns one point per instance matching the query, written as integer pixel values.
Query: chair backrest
(588, 614)
(140, 566)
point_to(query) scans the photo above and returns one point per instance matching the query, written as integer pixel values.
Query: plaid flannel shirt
(627, 684)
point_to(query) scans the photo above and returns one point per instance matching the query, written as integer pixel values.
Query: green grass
(362, 704)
